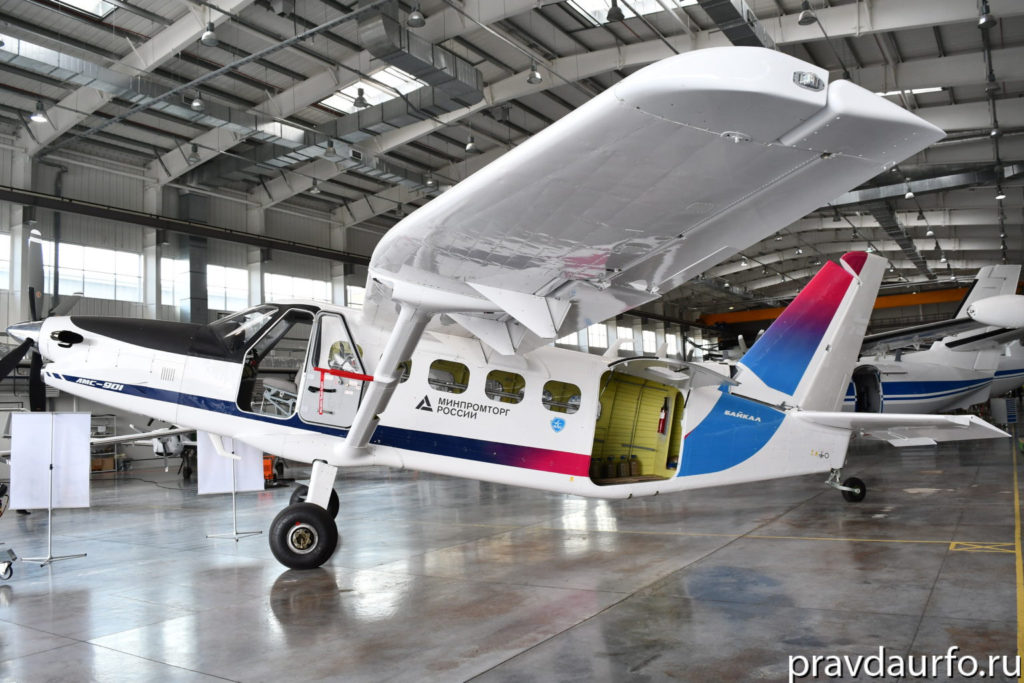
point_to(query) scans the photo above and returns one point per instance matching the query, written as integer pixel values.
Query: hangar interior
(184, 160)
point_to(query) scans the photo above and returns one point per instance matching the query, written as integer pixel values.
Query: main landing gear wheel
(855, 490)
(299, 496)
(303, 536)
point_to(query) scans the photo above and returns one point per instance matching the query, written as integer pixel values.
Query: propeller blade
(36, 385)
(65, 304)
(32, 303)
(35, 273)
(11, 360)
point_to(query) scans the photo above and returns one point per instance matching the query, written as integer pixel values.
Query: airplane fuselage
(532, 420)
(935, 380)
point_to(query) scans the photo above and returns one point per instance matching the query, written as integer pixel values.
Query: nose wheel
(303, 536)
(853, 489)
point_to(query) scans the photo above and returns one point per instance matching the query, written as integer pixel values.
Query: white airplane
(971, 358)
(448, 367)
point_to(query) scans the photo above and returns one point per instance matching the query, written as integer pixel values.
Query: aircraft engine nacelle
(1006, 310)
(867, 385)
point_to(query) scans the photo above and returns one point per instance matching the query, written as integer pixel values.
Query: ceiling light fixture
(209, 37)
(416, 18)
(910, 193)
(744, 263)
(930, 233)
(471, 145)
(316, 187)
(1000, 195)
(799, 250)
(39, 115)
(920, 215)
(807, 15)
(193, 157)
(985, 19)
(836, 218)
(615, 13)
(197, 103)
(942, 258)
(330, 152)
(360, 100)
(535, 76)
(431, 182)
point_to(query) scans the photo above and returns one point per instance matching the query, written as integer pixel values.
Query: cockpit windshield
(237, 330)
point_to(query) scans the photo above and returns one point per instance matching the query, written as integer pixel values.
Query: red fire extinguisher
(663, 417)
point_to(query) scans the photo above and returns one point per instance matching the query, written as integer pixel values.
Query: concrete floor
(451, 580)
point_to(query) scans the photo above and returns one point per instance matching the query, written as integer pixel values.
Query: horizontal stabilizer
(906, 430)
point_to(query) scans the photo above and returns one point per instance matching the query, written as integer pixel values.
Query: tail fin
(807, 355)
(990, 281)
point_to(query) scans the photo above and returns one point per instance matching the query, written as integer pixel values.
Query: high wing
(993, 323)
(672, 170)
(906, 430)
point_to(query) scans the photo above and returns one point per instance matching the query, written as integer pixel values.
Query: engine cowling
(1005, 310)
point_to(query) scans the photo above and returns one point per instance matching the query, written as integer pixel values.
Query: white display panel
(37, 439)
(215, 469)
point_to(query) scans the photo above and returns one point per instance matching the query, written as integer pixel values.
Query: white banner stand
(216, 457)
(50, 452)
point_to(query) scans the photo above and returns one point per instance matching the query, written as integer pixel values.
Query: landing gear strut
(300, 493)
(853, 489)
(304, 535)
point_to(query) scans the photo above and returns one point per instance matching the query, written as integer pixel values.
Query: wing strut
(408, 329)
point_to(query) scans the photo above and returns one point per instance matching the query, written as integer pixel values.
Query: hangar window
(283, 287)
(173, 281)
(650, 341)
(448, 376)
(227, 289)
(625, 333)
(505, 387)
(5, 260)
(96, 273)
(561, 397)
(354, 296)
(597, 335)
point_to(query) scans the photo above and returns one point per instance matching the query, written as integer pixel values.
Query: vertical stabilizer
(807, 356)
(990, 281)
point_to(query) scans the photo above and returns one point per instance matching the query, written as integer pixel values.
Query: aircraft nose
(23, 331)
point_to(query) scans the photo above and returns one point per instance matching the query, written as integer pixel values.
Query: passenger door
(331, 390)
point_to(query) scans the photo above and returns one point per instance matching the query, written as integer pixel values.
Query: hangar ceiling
(350, 108)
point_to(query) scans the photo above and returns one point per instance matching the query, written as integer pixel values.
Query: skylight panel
(390, 79)
(912, 91)
(596, 11)
(97, 8)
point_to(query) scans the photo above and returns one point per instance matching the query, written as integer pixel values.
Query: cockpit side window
(239, 329)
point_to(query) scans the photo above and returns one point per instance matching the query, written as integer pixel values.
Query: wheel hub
(302, 538)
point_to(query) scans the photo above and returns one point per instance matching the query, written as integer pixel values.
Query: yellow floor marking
(983, 547)
(1016, 545)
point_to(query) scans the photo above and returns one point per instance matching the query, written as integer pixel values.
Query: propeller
(28, 332)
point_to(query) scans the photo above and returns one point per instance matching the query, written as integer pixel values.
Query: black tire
(7, 573)
(299, 496)
(303, 536)
(857, 495)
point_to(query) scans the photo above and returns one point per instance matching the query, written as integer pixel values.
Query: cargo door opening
(638, 434)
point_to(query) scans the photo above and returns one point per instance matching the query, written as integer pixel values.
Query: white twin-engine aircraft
(448, 368)
(950, 364)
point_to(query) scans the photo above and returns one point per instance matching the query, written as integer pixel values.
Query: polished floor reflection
(451, 580)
